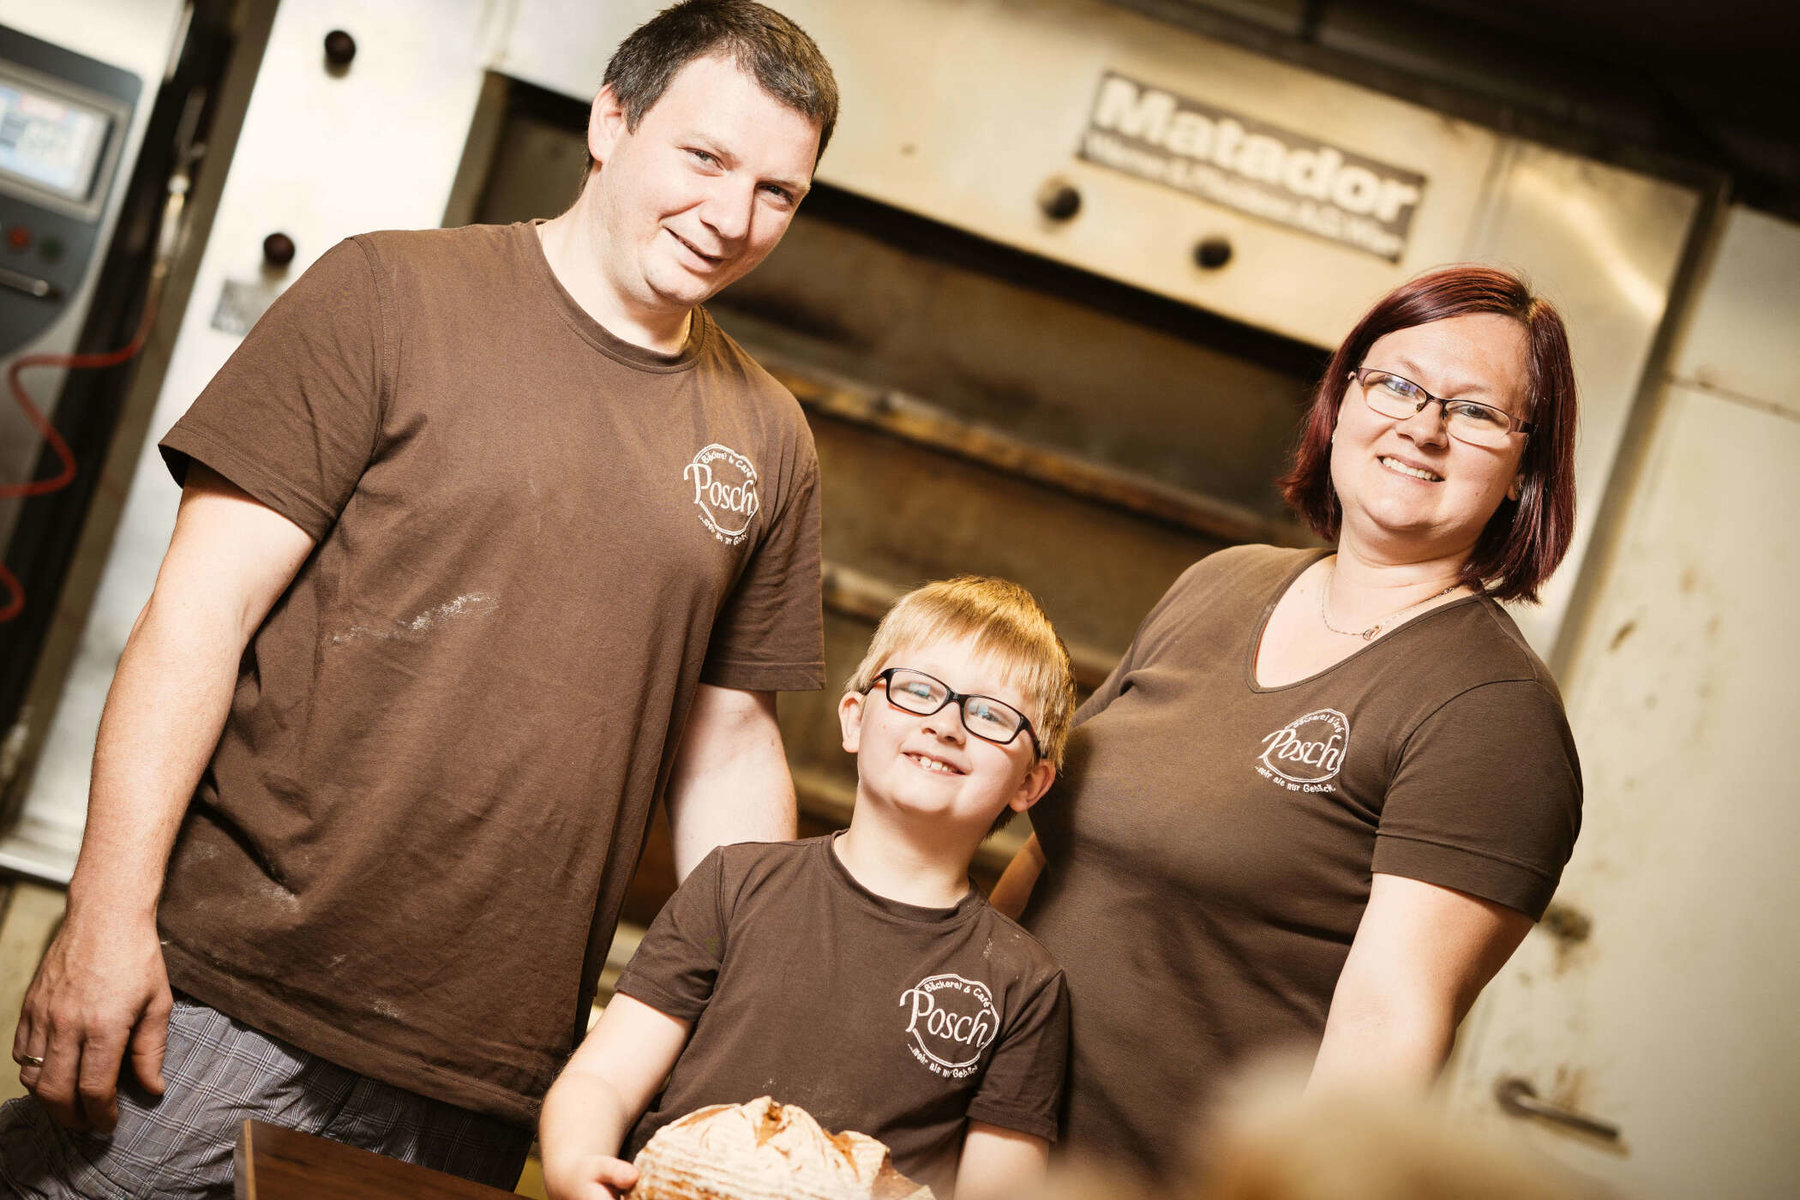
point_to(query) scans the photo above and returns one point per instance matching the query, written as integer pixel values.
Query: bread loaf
(764, 1150)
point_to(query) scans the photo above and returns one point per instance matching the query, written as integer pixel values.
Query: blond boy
(861, 975)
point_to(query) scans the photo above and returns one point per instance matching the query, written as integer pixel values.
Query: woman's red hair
(1524, 540)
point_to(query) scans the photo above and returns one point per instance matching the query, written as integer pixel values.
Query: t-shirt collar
(960, 911)
(531, 247)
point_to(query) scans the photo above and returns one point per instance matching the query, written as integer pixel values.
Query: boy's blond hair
(1005, 623)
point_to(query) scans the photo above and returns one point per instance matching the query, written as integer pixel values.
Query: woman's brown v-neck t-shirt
(1209, 848)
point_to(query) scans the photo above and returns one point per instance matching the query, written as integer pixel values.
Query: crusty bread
(763, 1150)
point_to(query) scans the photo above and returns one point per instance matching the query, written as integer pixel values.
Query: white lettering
(960, 1028)
(1259, 171)
(1190, 134)
(1394, 197)
(740, 499)
(1356, 190)
(1229, 136)
(1309, 173)
(1135, 114)
(922, 1003)
(1290, 745)
(972, 1030)
(1263, 158)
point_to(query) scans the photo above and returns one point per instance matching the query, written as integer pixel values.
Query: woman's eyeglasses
(1468, 421)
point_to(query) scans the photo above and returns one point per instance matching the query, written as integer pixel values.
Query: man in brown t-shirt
(489, 537)
(862, 976)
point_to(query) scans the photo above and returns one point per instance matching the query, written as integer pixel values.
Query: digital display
(48, 141)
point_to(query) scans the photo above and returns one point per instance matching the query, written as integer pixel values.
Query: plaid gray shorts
(219, 1072)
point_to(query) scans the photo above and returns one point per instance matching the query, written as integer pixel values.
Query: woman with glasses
(1326, 792)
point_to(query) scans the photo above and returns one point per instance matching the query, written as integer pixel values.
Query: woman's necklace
(1368, 635)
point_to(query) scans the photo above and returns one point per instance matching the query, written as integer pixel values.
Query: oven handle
(1520, 1099)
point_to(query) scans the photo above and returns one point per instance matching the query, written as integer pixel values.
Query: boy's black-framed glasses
(1468, 421)
(989, 719)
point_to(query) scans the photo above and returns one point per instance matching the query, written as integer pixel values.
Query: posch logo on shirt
(951, 1020)
(725, 492)
(1306, 754)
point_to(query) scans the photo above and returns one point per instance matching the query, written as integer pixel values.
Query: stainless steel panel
(1604, 244)
(1740, 340)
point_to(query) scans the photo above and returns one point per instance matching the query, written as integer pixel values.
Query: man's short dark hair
(769, 48)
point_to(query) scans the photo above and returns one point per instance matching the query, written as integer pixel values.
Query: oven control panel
(63, 121)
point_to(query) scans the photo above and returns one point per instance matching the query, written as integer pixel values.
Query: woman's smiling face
(1408, 483)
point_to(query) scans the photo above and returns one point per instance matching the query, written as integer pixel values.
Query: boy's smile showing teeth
(1402, 468)
(936, 766)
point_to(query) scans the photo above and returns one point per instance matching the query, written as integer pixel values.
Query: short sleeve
(770, 634)
(1050, 817)
(1143, 644)
(294, 415)
(677, 963)
(1109, 691)
(1487, 797)
(1022, 1086)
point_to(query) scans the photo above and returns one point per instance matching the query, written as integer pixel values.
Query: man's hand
(100, 991)
(593, 1177)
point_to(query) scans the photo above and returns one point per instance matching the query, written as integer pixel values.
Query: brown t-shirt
(900, 1022)
(1211, 844)
(533, 540)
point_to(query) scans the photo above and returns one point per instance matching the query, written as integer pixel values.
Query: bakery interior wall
(991, 403)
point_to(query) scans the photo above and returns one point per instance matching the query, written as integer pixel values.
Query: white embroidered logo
(951, 1020)
(1305, 754)
(724, 491)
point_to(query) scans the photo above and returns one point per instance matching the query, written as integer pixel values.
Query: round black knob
(278, 249)
(1213, 252)
(1059, 200)
(340, 48)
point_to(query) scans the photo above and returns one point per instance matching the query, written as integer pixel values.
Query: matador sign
(1249, 165)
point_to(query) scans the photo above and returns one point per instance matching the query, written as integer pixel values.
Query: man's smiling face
(700, 192)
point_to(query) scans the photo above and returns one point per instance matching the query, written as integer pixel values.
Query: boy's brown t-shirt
(533, 540)
(901, 1022)
(1210, 847)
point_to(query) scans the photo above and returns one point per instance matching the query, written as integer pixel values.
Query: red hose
(9, 583)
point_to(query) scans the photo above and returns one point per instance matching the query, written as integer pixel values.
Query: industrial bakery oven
(1065, 283)
(1066, 279)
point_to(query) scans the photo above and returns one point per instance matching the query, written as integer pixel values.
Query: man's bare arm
(101, 990)
(730, 782)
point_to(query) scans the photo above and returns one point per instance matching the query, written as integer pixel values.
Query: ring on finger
(30, 1060)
